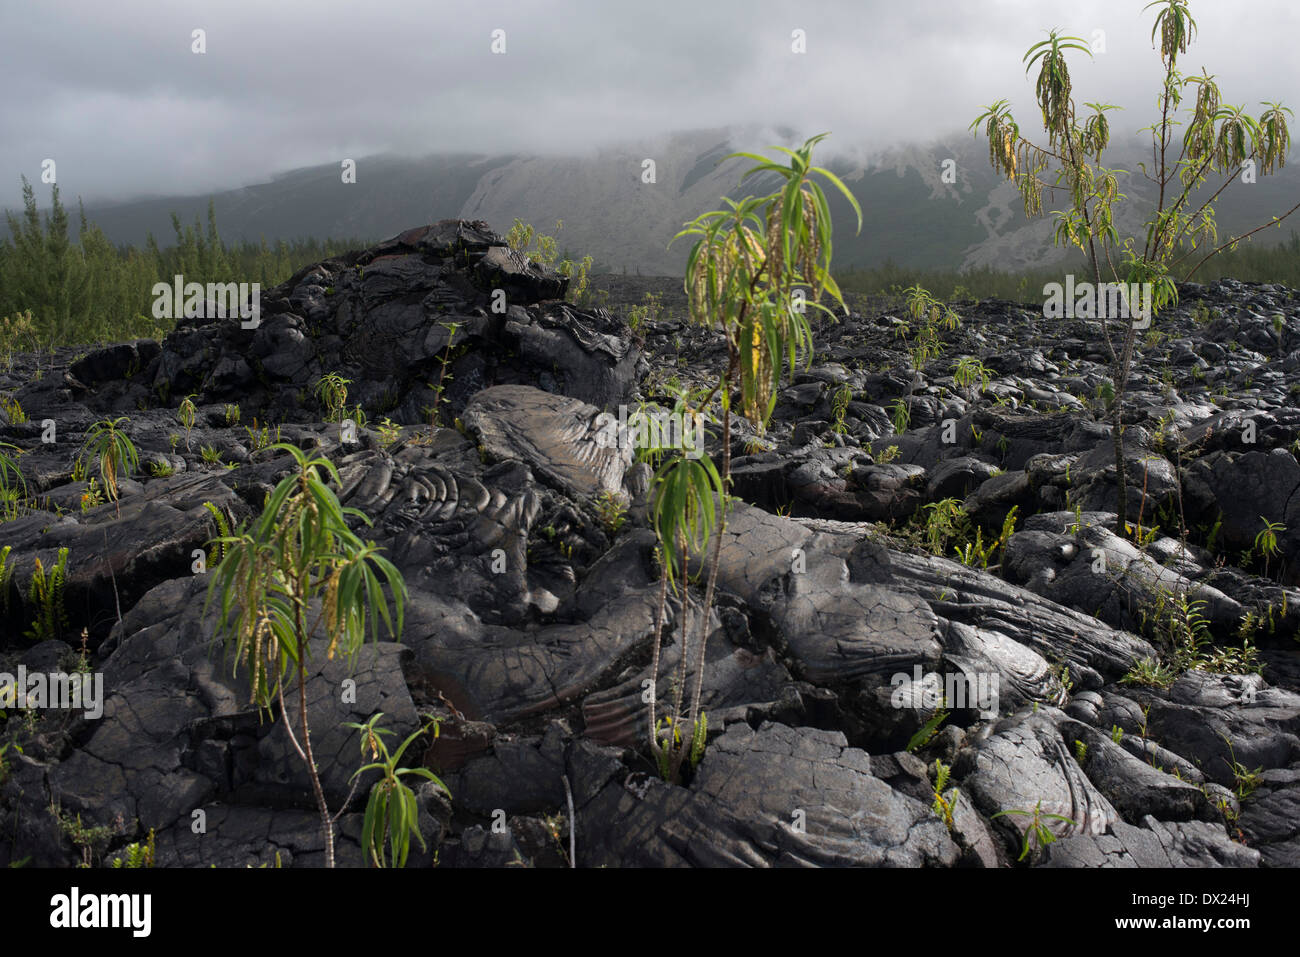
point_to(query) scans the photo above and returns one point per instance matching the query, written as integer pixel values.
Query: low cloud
(114, 94)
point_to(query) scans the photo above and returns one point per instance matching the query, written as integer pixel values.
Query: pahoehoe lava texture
(531, 616)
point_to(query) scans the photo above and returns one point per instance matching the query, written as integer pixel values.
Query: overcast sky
(113, 93)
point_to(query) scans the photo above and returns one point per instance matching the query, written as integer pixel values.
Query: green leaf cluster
(392, 813)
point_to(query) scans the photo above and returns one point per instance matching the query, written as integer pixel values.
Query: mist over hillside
(916, 214)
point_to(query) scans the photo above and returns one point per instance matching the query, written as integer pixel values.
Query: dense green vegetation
(84, 289)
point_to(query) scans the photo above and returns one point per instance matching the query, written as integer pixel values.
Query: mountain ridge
(912, 217)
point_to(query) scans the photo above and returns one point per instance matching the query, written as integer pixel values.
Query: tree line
(82, 288)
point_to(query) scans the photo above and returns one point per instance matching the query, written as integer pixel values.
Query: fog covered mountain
(912, 215)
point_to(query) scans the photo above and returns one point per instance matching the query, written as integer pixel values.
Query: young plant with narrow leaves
(756, 265)
(13, 486)
(299, 571)
(332, 390)
(1218, 141)
(1037, 827)
(186, 414)
(113, 451)
(392, 812)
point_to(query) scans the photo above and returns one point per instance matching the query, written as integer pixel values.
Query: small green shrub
(945, 800)
(389, 432)
(1266, 541)
(1039, 830)
(332, 390)
(445, 375)
(280, 568)
(112, 449)
(902, 416)
(839, 407)
(13, 486)
(258, 438)
(13, 409)
(92, 496)
(186, 415)
(137, 855)
(970, 370)
(46, 595)
(612, 511)
(392, 814)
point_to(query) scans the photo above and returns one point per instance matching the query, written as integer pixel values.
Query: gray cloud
(114, 95)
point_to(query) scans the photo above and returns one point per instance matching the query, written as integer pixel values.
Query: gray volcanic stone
(1024, 767)
(1270, 819)
(1134, 787)
(557, 436)
(471, 456)
(1156, 844)
(383, 319)
(168, 691)
(742, 808)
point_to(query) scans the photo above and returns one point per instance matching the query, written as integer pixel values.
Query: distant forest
(57, 290)
(85, 289)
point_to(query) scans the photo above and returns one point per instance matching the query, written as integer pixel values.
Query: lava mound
(384, 318)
